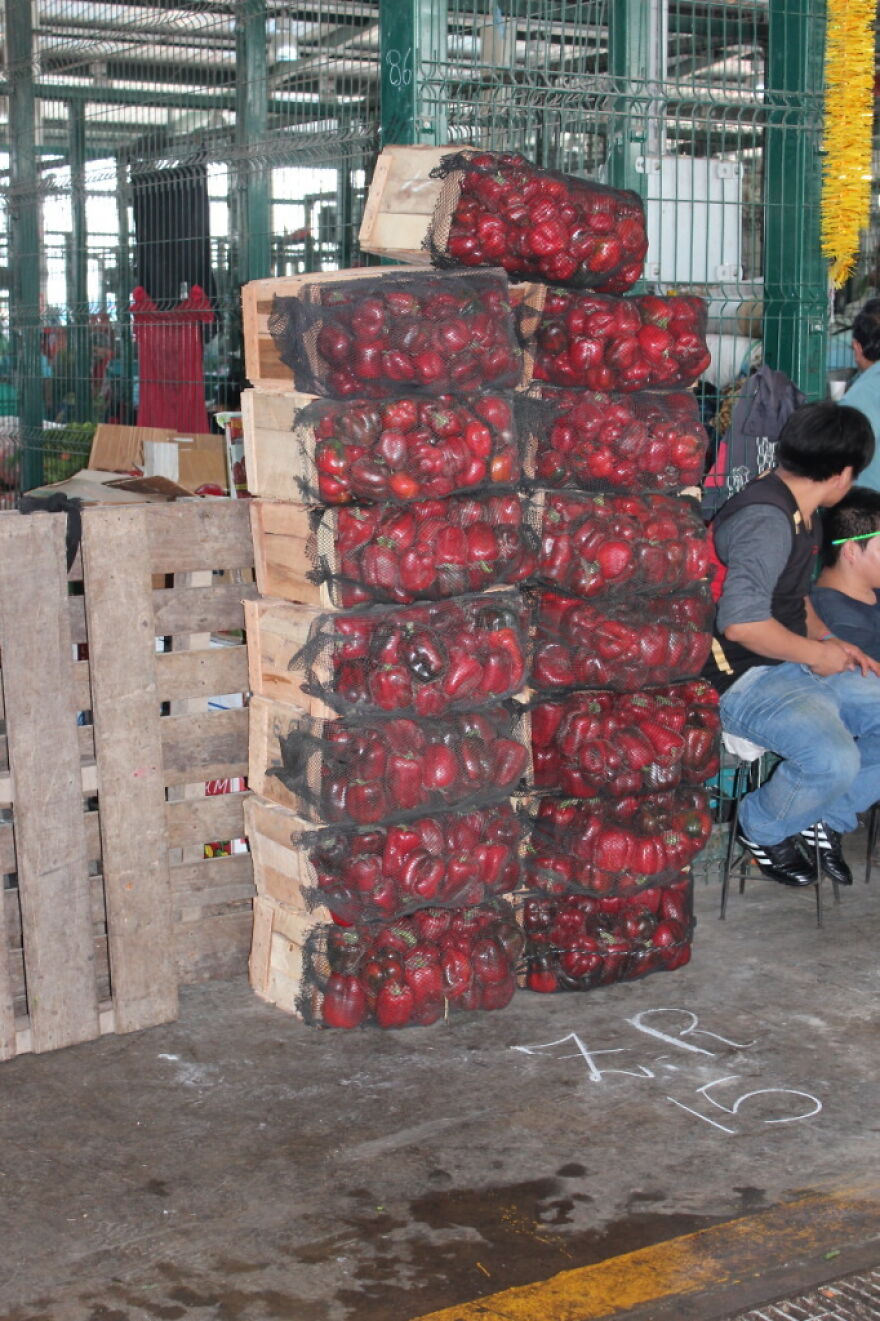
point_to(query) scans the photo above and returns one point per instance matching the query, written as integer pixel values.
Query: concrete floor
(237, 1165)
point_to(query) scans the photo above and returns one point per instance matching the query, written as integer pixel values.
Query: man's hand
(855, 659)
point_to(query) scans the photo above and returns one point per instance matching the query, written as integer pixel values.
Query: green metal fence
(244, 132)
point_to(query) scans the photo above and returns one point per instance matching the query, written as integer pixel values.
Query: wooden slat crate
(400, 203)
(271, 721)
(109, 901)
(273, 458)
(281, 867)
(285, 535)
(262, 364)
(276, 962)
(277, 631)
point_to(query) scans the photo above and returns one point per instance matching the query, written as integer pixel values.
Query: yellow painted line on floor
(724, 1254)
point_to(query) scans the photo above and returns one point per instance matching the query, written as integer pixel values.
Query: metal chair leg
(873, 831)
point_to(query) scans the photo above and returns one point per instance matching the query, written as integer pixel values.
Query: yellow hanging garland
(849, 117)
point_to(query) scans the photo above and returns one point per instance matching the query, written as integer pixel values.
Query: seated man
(845, 596)
(785, 682)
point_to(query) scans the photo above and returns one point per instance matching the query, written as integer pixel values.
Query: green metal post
(251, 121)
(795, 275)
(412, 46)
(124, 286)
(344, 213)
(79, 348)
(24, 239)
(633, 57)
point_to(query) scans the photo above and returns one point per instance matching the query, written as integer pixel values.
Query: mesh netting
(422, 660)
(620, 546)
(650, 441)
(427, 551)
(413, 971)
(497, 209)
(397, 769)
(616, 744)
(578, 942)
(411, 448)
(627, 646)
(444, 333)
(600, 848)
(447, 859)
(611, 344)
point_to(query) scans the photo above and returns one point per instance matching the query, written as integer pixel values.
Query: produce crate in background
(109, 743)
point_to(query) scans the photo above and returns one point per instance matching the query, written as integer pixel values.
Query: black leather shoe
(783, 862)
(831, 858)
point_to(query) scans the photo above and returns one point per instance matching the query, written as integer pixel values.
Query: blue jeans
(828, 732)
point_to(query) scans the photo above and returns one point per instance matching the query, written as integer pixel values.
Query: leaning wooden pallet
(99, 926)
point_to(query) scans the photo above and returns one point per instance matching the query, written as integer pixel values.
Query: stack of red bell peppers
(623, 732)
(413, 842)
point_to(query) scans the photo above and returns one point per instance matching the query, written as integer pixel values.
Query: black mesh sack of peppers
(608, 744)
(413, 971)
(430, 550)
(362, 772)
(578, 942)
(447, 859)
(620, 546)
(622, 645)
(421, 660)
(650, 441)
(593, 341)
(409, 448)
(498, 209)
(402, 333)
(597, 847)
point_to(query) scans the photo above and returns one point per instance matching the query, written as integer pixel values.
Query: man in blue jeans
(785, 682)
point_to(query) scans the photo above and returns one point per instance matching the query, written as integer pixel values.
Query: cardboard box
(188, 461)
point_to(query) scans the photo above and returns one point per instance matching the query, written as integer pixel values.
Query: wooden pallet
(110, 902)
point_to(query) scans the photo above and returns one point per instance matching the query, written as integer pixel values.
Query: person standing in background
(864, 392)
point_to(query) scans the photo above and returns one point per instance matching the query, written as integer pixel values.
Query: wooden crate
(262, 363)
(109, 901)
(276, 961)
(281, 867)
(271, 721)
(287, 537)
(273, 454)
(401, 202)
(277, 631)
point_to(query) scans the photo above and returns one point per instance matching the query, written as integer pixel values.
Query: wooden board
(401, 202)
(41, 702)
(277, 632)
(284, 537)
(118, 563)
(272, 453)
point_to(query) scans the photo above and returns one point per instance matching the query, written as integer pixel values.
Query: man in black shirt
(786, 683)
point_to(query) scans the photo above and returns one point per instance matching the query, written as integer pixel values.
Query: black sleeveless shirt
(728, 660)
